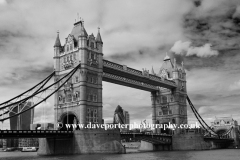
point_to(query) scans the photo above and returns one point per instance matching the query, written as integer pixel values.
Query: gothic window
(164, 99)
(165, 112)
(67, 48)
(92, 45)
(95, 98)
(60, 98)
(169, 111)
(69, 98)
(76, 79)
(74, 56)
(71, 58)
(91, 97)
(67, 58)
(63, 99)
(92, 55)
(160, 113)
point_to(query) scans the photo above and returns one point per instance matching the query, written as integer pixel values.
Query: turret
(99, 41)
(57, 46)
(57, 50)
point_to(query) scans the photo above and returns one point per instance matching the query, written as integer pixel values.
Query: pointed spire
(57, 42)
(83, 31)
(175, 65)
(183, 67)
(152, 71)
(166, 57)
(99, 39)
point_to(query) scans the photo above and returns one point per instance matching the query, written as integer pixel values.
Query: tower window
(71, 58)
(67, 48)
(76, 78)
(74, 56)
(71, 47)
(170, 112)
(92, 45)
(160, 113)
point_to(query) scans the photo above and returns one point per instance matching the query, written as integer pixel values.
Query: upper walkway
(123, 75)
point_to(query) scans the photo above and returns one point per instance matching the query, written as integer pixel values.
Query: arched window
(67, 48)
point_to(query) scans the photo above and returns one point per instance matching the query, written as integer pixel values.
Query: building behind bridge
(121, 116)
(21, 122)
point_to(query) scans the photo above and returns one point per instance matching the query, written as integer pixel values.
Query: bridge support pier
(147, 146)
(83, 142)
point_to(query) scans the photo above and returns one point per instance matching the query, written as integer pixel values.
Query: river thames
(224, 154)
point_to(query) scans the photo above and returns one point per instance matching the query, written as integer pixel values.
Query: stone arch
(69, 117)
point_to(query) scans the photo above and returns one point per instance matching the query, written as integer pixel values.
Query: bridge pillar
(81, 96)
(169, 105)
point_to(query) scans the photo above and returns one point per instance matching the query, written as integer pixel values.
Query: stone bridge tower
(80, 99)
(169, 105)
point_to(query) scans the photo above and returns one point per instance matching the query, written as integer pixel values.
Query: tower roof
(57, 42)
(78, 30)
(166, 58)
(167, 65)
(99, 39)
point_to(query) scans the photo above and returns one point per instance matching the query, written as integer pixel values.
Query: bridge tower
(80, 99)
(169, 105)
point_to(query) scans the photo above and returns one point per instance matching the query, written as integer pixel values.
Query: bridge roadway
(152, 138)
(123, 75)
(4, 134)
(148, 137)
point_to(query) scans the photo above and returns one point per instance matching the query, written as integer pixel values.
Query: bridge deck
(4, 134)
(123, 75)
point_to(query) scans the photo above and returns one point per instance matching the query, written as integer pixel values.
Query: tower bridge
(79, 69)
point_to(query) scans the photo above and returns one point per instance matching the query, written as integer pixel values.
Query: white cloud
(185, 48)
(235, 86)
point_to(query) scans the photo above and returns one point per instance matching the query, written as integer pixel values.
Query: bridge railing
(32, 131)
(124, 68)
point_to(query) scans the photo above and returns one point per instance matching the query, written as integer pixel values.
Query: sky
(204, 34)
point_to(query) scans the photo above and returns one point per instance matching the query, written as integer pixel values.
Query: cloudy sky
(205, 34)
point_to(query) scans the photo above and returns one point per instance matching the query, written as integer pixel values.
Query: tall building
(169, 105)
(22, 121)
(118, 116)
(126, 117)
(121, 116)
(80, 99)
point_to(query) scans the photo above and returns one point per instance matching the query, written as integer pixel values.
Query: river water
(224, 154)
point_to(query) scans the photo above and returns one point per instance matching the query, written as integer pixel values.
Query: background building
(121, 116)
(22, 121)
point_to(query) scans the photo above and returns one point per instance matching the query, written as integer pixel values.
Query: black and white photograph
(120, 79)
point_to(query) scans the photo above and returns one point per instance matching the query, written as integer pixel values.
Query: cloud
(235, 86)
(136, 34)
(185, 48)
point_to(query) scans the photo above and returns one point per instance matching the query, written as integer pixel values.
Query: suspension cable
(70, 73)
(27, 90)
(25, 99)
